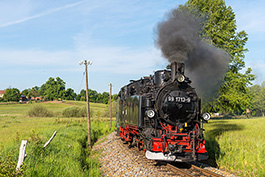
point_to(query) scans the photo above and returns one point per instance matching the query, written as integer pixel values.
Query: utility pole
(87, 100)
(110, 103)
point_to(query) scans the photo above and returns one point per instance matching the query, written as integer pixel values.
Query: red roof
(35, 98)
(2, 91)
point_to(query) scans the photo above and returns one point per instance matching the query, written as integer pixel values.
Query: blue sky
(42, 39)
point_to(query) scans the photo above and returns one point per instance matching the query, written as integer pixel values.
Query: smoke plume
(178, 39)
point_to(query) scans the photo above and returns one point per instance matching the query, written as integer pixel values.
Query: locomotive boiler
(161, 115)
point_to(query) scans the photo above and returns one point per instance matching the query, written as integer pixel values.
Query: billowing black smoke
(178, 39)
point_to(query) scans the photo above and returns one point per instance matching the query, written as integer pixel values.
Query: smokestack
(176, 67)
(173, 71)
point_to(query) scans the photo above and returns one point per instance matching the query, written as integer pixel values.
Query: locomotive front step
(161, 156)
(174, 158)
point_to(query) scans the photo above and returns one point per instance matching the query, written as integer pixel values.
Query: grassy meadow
(66, 155)
(237, 145)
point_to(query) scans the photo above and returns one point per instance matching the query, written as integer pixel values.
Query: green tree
(25, 92)
(257, 93)
(81, 96)
(219, 28)
(114, 97)
(99, 98)
(92, 95)
(53, 89)
(105, 97)
(34, 92)
(12, 94)
(69, 94)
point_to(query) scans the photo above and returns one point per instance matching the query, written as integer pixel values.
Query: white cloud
(122, 60)
(105, 59)
(34, 57)
(27, 18)
(117, 59)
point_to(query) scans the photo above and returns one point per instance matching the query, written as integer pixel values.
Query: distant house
(2, 92)
(35, 98)
(23, 98)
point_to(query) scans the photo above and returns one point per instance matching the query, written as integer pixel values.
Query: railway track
(190, 170)
(173, 169)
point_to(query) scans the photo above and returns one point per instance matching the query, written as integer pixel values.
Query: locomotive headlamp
(206, 116)
(150, 113)
(180, 78)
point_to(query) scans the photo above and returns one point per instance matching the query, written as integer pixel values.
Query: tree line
(54, 89)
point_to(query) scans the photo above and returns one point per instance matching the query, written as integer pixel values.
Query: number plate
(178, 99)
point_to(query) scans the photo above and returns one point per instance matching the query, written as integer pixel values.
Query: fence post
(46, 144)
(22, 154)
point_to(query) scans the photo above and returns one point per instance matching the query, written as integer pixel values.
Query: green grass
(15, 124)
(21, 109)
(13, 109)
(16, 128)
(95, 106)
(237, 145)
(66, 155)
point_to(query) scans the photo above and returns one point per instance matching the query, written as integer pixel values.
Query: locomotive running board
(161, 156)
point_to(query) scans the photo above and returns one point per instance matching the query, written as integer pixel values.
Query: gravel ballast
(117, 159)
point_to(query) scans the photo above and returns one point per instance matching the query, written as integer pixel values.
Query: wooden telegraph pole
(110, 103)
(88, 115)
(87, 100)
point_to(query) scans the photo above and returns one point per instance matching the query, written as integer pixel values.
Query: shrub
(76, 112)
(71, 112)
(39, 111)
(83, 112)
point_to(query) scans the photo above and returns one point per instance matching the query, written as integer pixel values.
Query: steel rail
(179, 171)
(205, 172)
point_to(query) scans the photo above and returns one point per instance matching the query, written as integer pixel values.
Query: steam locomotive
(161, 114)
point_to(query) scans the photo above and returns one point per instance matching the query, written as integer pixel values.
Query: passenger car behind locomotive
(161, 114)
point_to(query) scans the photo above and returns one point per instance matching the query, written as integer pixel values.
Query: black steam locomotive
(161, 115)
